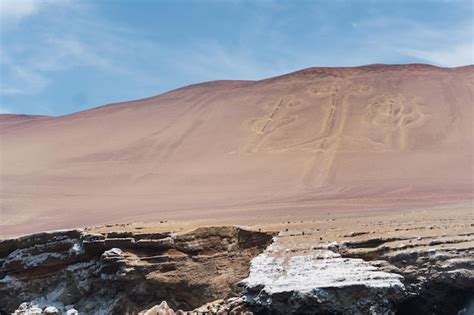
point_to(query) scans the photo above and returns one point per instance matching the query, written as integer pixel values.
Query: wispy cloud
(14, 10)
(27, 67)
(19, 79)
(129, 59)
(213, 60)
(88, 40)
(459, 55)
(63, 52)
(435, 43)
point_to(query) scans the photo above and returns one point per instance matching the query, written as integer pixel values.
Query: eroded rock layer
(362, 266)
(125, 272)
(416, 262)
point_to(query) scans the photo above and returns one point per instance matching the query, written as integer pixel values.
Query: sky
(63, 56)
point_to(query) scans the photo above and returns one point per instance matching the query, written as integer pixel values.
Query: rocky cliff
(380, 267)
(124, 272)
(373, 276)
(413, 262)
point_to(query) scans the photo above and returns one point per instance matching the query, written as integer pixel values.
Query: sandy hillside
(313, 141)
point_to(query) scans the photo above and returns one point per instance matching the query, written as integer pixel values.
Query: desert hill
(312, 141)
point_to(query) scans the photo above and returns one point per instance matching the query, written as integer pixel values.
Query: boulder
(51, 310)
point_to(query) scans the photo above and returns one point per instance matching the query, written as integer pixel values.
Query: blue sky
(58, 57)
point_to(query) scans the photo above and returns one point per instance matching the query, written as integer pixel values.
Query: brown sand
(322, 140)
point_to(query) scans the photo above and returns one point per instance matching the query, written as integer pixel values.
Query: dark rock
(158, 244)
(119, 242)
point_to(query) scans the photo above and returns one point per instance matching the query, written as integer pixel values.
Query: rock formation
(319, 282)
(124, 272)
(438, 273)
(415, 269)
(233, 306)
(364, 273)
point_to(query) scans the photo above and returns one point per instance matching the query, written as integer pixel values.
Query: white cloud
(18, 9)
(73, 35)
(65, 52)
(19, 79)
(213, 61)
(82, 39)
(30, 74)
(13, 11)
(459, 55)
(437, 43)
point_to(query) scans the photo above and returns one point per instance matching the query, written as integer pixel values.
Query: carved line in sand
(320, 165)
(323, 139)
(279, 116)
(160, 155)
(391, 114)
(395, 114)
(324, 145)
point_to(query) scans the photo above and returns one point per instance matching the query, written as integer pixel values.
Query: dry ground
(337, 140)
(455, 221)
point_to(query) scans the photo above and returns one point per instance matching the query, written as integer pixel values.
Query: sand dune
(320, 139)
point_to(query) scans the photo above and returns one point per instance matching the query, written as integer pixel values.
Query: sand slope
(321, 139)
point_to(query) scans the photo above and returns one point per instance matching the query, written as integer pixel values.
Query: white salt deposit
(279, 272)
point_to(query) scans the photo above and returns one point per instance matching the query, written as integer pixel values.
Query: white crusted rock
(318, 281)
(51, 310)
